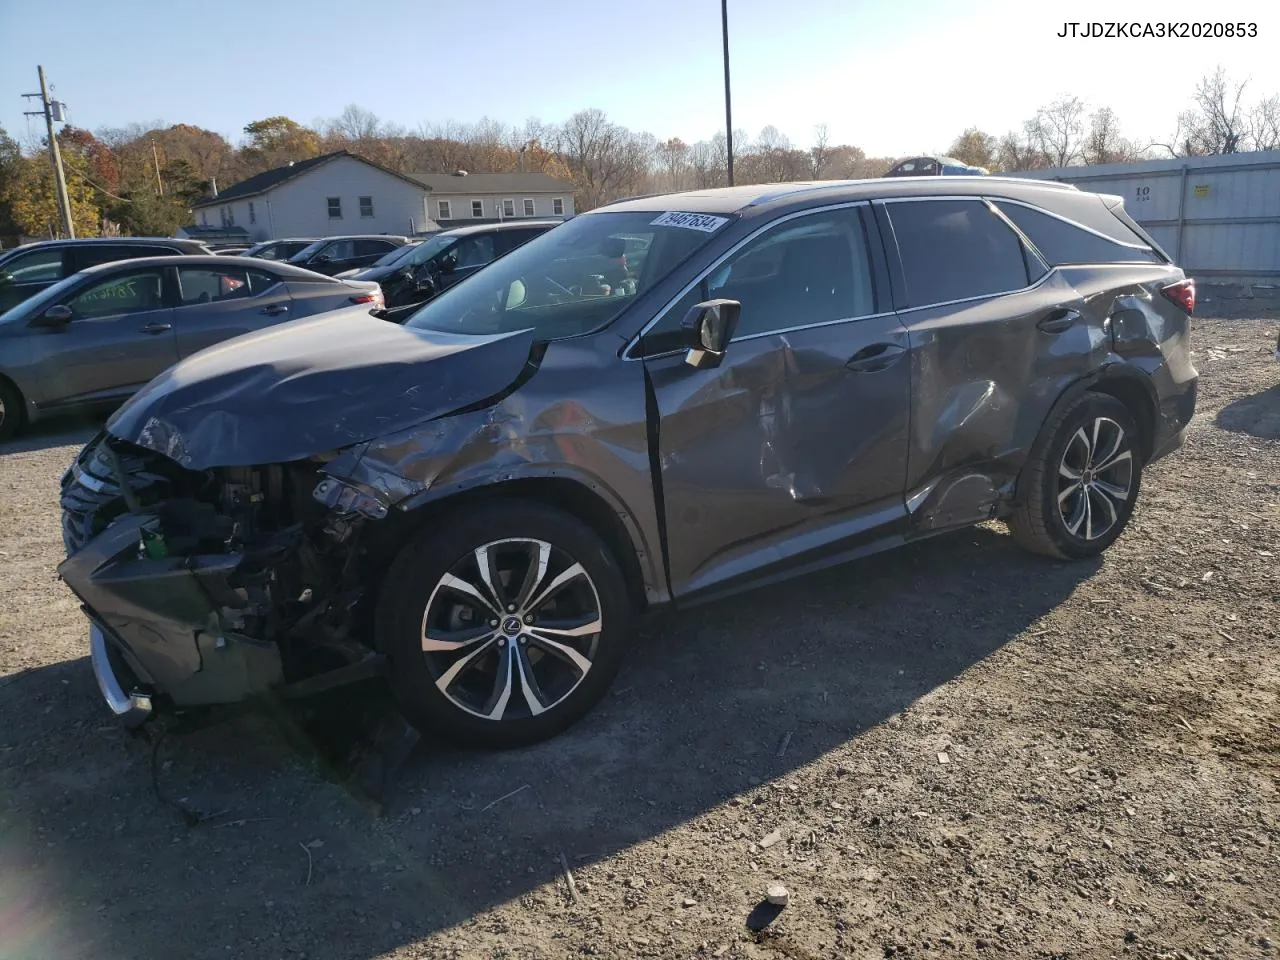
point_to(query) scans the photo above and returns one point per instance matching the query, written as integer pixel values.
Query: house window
(477, 208)
(443, 212)
(253, 217)
(366, 206)
(557, 207)
(227, 216)
(335, 208)
(204, 218)
(508, 208)
(528, 207)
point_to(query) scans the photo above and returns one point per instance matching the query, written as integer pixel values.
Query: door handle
(1059, 320)
(877, 356)
(156, 328)
(275, 309)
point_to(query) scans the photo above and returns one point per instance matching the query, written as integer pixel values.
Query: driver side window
(129, 293)
(801, 272)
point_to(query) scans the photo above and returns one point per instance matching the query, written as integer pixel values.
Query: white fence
(1218, 217)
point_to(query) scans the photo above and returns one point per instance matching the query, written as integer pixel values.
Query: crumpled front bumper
(167, 619)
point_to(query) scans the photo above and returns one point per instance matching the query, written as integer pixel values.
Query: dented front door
(794, 449)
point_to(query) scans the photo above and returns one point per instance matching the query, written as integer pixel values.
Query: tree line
(143, 178)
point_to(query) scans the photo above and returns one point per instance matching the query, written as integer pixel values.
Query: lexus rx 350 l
(487, 498)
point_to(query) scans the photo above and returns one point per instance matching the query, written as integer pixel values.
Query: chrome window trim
(634, 342)
(1072, 223)
(985, 296)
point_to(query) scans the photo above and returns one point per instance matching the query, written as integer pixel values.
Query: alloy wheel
(511, 629)
(1095, 479)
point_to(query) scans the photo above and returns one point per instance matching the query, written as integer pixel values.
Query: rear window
(1061, 243)
(956, 250)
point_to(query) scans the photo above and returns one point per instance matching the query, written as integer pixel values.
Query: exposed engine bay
(215, 585)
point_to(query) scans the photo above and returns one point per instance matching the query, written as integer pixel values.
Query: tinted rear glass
(1061, 243)
(954, 250)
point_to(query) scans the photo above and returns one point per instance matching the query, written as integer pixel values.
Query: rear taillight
(375, 297)
(1182, 293)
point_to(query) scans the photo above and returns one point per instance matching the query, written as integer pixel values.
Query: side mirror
(320, 258)
(707, 329)
(55, 318)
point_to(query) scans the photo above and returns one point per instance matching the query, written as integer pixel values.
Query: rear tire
(1081, 481)
(12, 413)
(504, 625)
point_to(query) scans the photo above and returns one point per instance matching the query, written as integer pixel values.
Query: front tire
(11, 410)
(1081, 481)
(504, 626)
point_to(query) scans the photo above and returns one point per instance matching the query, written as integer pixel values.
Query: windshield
(573, 279)
(429, 248)
(392, 256)
(307, 252)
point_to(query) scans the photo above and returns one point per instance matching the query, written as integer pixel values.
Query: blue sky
(892, 77)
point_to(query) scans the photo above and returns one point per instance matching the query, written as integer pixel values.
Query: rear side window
(260, 280)
(956, 250)
(1060, 242)
(38, 266)
(212, 284)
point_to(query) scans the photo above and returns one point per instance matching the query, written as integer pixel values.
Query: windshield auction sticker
(690, 221)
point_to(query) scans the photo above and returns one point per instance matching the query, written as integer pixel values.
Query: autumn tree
(33, 199)
(276, 141)
(10, 161)
(976, 148)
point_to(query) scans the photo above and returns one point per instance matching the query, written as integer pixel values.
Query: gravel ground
(952, 750)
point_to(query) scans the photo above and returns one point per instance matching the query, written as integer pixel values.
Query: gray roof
(513, 184)
(262, 182)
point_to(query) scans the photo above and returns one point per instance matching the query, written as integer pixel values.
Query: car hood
(311, 387)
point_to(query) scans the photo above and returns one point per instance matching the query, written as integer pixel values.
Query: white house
(340, 193)
(460, 198)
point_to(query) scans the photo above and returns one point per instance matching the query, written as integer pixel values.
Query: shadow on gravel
(57, 432)
(291, 864)
(1258, 415)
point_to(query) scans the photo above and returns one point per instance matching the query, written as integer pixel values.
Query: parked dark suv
(26, 270)
(334, 255)
(445, 259)
(490, 495)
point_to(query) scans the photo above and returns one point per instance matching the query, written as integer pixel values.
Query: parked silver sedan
(93, 339)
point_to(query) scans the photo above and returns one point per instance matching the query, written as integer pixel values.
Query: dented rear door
(995, 338)
(794, 449)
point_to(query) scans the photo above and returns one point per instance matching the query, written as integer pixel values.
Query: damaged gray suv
(482, 503)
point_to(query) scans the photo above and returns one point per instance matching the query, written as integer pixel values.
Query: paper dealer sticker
(690, 221)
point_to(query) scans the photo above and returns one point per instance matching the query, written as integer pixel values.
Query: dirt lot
(954, 750)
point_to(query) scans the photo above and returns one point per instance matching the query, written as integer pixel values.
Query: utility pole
(55, 155)
(156, 157)
(728, 112)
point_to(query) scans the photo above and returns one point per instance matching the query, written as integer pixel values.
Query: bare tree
(673, 158)
(1056, 131)
(819, 154)
(606, 160)
(354, 124)
(1104, 142)
(1264, 124)
(1015, 153)
(1217, 123)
